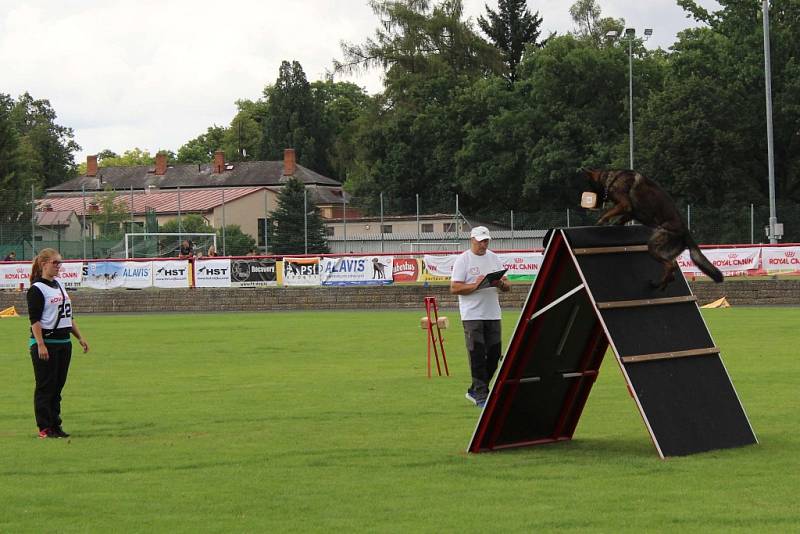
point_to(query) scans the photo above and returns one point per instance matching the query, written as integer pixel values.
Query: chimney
(289, 165)
(161, 164)
(219, 161)
(91, 165)
(48, 207)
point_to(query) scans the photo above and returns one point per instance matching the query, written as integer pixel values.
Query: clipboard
(490, 278)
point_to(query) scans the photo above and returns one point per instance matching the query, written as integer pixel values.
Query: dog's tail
(701, 261)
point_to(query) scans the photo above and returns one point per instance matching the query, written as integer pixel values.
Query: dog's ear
(594, 175)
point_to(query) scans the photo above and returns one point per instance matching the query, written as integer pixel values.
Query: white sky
(155, 73)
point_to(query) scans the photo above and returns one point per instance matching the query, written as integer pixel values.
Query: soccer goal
(431, 246)
(165, 245)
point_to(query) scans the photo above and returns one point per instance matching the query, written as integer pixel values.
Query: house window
(270, 231)
(386, 229)
(329, 230)
(449, 227)
(427, 228)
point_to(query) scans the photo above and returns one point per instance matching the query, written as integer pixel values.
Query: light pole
(775, 229)
(630, 35)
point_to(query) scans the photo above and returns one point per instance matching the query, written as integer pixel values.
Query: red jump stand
(434, 325)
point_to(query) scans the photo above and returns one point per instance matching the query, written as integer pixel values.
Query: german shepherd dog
(637, 197)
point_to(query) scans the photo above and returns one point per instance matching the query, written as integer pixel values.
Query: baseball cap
(480, 233)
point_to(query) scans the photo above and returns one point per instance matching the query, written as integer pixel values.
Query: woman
(50, 313)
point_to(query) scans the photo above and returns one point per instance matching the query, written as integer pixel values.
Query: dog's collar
(608, 186)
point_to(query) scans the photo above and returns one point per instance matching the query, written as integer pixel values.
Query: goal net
(166, 245)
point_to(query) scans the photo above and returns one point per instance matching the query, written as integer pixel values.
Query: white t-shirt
(483, 304)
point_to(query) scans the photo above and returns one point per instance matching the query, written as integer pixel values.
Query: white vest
(53, 306)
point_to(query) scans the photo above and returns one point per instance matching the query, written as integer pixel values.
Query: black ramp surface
(653, 329)
(627, 276)
(690, 404)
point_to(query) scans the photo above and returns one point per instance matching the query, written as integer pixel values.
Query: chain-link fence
(93, 224)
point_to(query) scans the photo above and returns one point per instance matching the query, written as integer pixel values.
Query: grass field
(280, 422)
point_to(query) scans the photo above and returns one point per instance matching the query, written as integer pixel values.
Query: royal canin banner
(212, 272)
(71, 274)
(780, 259)
(301, 272)
(14, 274)
(405, 270)
(171, 273)
(522, 266)
(728, 260)
(351, 270)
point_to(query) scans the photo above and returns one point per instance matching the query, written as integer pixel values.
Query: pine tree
(290, 228)
(511, 28)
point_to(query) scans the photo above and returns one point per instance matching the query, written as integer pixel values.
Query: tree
(111, 213)
(191, 223)
(290, 222)
(292, 119)
(241, 141)
(48, 147)
(590, 26)
(511, 28)
(12, 191)
(201, 149)
(236, 242)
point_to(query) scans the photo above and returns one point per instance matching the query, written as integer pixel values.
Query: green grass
(303, 422)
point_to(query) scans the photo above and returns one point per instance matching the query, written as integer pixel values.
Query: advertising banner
(351, 270)
(103, 274)
(212, 273)
(14, 274)
(137, 274)
(405, 270)
(728, 260)
(522, 266)
(171, 273)
(301, 272)
(71, 274)
(780, 259)
(253, 273)
(437, 267)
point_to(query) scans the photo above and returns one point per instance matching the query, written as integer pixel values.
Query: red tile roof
(163, 202)
(53, 218)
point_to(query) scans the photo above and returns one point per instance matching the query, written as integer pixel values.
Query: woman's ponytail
(45, 255)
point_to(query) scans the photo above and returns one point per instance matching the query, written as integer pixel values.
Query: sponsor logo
(405, 270)
(213, 271)
(789, 254)
(163, 271)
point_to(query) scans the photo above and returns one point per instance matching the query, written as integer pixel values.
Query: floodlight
(648, 31)
(630, 32)
(612, 33)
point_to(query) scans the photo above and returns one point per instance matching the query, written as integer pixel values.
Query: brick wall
(738, 292)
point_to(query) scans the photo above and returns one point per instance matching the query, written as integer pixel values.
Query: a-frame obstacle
(593, 290)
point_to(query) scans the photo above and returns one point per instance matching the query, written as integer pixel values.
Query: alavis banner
(356, 271)
(137, 274)
(14, 274)
(253, 273)
(523, 266)
(173, 273)
(301, 272)
(103, 274)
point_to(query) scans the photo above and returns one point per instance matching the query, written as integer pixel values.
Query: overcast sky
(155, 73)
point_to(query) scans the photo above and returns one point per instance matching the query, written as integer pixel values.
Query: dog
(636, 197)
(378, 269)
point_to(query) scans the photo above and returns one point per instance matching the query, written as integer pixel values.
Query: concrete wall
(755, 292)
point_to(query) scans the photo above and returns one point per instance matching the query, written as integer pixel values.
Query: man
(12, 256)
(480, 311)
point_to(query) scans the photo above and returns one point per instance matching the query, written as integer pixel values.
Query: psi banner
(14, 274)
(356, 271)
(301, 272)
(212, 273)
(727, 260)
(253, 273)
(172, 273)
(780, 259)
(524, 266)
(438, 267)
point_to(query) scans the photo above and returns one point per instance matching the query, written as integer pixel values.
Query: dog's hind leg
(663, 248)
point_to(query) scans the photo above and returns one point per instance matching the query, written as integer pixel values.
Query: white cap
(480, 233)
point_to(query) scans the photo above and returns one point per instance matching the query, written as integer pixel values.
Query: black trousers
(51, 375)
(484, 342)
